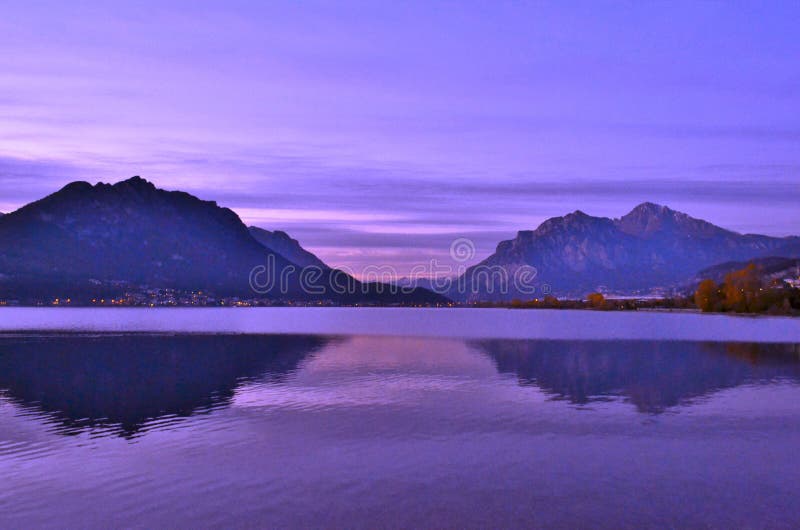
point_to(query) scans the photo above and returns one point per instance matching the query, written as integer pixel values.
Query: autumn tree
(741, 290)
(596, 300)
(551, 301)
(707, 296)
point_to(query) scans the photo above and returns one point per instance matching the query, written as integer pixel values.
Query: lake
(365, 418)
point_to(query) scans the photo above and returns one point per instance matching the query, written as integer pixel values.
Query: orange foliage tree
(596, 300)
(741, 290)
(707, 296)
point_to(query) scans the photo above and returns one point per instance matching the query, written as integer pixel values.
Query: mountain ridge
(652, 246)
(102, 239)
(129, 232)
(132, 233)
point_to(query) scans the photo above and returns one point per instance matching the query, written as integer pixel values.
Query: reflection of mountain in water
(127, 381)
(651, 375)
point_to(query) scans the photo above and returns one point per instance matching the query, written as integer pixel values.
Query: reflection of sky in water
(359, 431)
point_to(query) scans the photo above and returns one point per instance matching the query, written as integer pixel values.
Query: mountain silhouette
(651, 246)
(101, 240)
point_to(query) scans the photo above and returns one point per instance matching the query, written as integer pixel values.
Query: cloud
(362, 204)
(379, 132)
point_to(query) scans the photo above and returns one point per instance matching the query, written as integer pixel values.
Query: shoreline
(677, 310)
(478, 323)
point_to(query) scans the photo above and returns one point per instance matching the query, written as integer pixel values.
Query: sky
(379, 132)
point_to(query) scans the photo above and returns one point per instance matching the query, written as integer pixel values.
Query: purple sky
(377, 132)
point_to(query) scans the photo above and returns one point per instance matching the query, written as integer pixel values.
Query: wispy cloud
(378, 128)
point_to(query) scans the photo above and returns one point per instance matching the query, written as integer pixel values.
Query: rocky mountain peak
(646, 219)
(135, 183)
(576, 221)
(649, 219)
(651, 208)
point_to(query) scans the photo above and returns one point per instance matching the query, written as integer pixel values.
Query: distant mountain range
(101, 240)
(650, 247)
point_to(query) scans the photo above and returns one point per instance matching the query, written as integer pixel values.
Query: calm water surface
(161, 430)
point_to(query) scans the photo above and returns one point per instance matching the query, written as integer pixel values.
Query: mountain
(280, 242)
(128, 232)
(87, 240)
(650, 247)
